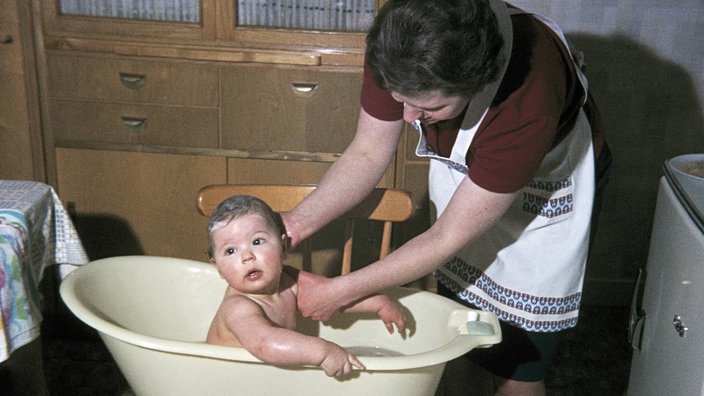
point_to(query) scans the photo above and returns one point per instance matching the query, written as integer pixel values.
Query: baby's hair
(239, 205)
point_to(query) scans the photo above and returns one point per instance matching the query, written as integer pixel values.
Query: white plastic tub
(153, 314)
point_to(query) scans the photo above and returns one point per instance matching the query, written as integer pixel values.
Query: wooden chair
(383, 204)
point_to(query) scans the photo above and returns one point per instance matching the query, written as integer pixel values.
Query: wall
(644, 63)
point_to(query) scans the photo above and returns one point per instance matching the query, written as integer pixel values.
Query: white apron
(529, 268)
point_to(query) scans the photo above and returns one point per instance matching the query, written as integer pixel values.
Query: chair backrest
(383, 204)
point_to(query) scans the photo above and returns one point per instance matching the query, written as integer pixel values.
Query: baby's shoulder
(241, 305)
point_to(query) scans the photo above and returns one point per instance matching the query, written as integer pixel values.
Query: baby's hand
(392, 313)
(339, 362)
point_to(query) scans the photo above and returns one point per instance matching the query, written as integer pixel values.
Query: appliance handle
(637, 314)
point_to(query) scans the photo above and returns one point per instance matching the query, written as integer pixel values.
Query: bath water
(372, 351)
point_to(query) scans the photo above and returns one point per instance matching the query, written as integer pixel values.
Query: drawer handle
(133, 81)
(304, 90)
(134, 124)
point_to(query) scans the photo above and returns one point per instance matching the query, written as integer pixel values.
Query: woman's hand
(317, 299)
(292, 236)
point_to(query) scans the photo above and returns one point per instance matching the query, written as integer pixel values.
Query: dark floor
(592, 359)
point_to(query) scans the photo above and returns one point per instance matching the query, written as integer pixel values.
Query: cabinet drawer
(289, 108)
(134, 124)
(122, 79)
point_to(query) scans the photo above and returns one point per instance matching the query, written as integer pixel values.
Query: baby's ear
(284, 242)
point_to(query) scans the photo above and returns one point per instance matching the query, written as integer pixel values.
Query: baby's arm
(280, 346)
(389, 311)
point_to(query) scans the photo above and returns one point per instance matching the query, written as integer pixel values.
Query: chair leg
(385, 240)
(347, 250)
(307, 264)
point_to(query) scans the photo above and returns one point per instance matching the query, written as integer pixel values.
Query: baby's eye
(230, 251)
(258, 241)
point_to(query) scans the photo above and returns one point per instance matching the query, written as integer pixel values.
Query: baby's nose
(247, 255)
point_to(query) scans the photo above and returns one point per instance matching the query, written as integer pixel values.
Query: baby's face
(248, 253)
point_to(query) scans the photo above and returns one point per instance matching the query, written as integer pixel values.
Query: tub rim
(458, 346)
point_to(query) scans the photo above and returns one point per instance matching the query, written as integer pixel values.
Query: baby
(247, 244)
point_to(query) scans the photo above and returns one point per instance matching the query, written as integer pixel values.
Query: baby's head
(240, 205)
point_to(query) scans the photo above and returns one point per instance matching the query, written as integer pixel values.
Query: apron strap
(578, 61)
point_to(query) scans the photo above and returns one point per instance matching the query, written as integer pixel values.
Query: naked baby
(247, 244)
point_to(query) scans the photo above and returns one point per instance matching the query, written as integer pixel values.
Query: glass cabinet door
(169, 19)
(154, 10)
(335, 15)
(329, 26)
(333, 26)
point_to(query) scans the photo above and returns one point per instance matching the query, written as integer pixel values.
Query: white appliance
(667, 324)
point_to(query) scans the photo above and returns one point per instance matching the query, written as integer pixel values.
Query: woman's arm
(471, 211)
(390, 312)
(349, 180)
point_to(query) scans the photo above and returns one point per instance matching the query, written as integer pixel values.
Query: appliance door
(668, 337)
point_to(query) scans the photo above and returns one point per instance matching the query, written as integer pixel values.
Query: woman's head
(447, 46)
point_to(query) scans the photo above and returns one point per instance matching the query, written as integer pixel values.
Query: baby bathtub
(153, 314)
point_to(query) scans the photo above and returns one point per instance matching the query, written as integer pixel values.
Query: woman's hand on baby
(292, 236)
(314, 299)
(339, 362)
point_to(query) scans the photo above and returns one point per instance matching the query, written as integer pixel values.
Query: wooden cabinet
(145, 107)
(21, 146)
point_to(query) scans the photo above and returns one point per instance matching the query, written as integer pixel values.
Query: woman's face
(430, 107)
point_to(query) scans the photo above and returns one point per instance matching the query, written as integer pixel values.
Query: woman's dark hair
(452, 46)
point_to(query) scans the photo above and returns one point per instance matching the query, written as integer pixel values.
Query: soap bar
(477, 328)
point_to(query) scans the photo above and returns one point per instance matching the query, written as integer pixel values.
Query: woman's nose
(411, 113)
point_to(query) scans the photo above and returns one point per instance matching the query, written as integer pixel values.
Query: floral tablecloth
(35, 233)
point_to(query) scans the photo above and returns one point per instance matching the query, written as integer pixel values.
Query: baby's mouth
(254, 275)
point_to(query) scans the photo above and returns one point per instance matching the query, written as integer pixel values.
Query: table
(35, 234)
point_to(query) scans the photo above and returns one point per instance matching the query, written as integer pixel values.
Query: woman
(501, 110)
